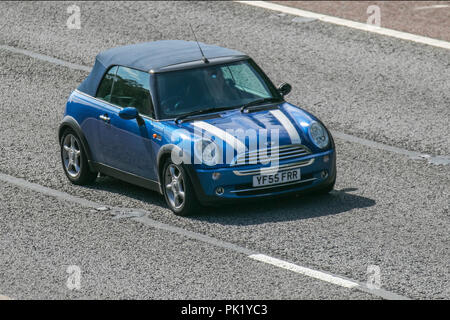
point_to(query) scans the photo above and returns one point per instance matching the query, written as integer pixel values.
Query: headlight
(319, 135)
(207, 152)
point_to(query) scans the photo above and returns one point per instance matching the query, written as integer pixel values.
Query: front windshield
(217, 86)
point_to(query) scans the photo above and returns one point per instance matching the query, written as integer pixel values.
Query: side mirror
(129, 113)
(284, 89)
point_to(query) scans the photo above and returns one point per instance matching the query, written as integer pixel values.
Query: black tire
(85, 175)
(328, 188)
(190, 203)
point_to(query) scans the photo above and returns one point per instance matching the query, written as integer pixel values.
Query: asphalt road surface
(388, 210)
(426, 18)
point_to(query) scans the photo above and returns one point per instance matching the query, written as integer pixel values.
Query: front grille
(274, 169)
(271, 154)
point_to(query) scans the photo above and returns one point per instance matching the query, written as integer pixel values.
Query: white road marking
(146, 220)
(436, 160)
(349, 23)
(287, 125)
(46, 58)
(47, 191)
(305, 271)
(4, 297)
(436, 6)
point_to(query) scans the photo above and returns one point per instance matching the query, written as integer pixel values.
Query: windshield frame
(156, 98)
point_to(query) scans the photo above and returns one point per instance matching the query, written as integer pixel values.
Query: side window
(104, 89)
(132, 89)
(247, 80)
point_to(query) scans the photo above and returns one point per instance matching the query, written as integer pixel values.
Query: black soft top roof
(151, 56)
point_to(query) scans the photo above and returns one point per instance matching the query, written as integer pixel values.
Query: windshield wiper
(199, 112)
(258, 102)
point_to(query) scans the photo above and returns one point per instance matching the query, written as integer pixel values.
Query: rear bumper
(237, 181)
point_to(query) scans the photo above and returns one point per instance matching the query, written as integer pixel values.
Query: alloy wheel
(72, 155)
(174, 184)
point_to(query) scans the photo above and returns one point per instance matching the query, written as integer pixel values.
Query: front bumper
(237, 181)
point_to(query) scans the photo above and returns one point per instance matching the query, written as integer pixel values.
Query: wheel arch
(163, 153)
(70, 123)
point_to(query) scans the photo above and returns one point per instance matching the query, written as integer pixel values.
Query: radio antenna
(198, 44)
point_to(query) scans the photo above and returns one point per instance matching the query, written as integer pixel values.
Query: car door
(127, 145)
(92, 110)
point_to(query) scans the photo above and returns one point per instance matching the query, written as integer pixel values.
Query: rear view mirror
(129, 113)
(284, 89)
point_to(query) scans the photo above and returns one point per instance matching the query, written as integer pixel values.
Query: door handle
(105, 118)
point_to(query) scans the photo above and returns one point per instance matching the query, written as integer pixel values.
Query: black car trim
(127, 177)
(199, 63)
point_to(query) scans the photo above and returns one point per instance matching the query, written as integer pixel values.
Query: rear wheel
(74, 159)
(178, 190)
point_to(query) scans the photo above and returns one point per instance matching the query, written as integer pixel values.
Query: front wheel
(178, 190)
(328, 188)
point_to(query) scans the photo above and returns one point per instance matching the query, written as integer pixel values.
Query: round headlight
(319, 135)
(207, 152)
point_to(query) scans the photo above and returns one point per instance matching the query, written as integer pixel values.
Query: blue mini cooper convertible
(200, 124)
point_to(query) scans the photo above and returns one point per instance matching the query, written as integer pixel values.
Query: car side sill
(126, 176)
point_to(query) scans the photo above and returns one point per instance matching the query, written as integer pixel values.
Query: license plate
(277, 178)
